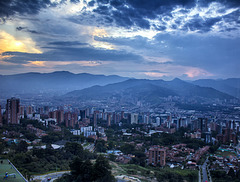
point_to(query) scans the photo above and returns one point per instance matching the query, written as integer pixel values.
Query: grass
(148, 173)
(133, 170)
(6, 167)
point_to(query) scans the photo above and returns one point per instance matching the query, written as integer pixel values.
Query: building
(179, 123)
(1, 123)
(70, 119)
(108, 119)
(29, 112)
(58, 115)
(114, 117)
(122, 115)
(134, 118)
(46, 110)
(88, 131)
(146, 119)
(157, 156)
(229, 136)
(158, 121)
(38, 132)
(12, 111)
(95, 118)
(83, 114)
(208, 137)
(21, 112)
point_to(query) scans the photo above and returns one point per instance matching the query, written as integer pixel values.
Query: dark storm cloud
(73, 54)
(228, 3)
(11, 7)
(91, 3)
(132, 13)
(201, 25)
(137, 13)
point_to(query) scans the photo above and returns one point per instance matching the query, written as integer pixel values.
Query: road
(204, 171)
(90, 147)
(199, 175)
(51, 176)
(238, 149)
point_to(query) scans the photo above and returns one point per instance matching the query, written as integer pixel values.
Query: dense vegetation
(221, 176)
(39, 160)
(85, 171)
(92, 167)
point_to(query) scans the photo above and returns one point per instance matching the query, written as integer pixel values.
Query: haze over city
(132, 38)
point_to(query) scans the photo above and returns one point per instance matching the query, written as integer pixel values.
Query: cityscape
(130, 133)
(119, 91)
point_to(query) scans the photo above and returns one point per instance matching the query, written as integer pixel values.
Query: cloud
(201, 25)
(200, 16)
(200, 38)
(208, 53)
(73, 54)
(164, 16)
(12, 7)
(138, 42)
(27, 30)
(68, 43)
(10, 43)
(205, 55)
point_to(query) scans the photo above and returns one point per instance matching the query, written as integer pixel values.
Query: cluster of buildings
(38, 132)
(228, 135)
(75, 118)
(225, 158)
(90, 132)
(177, 154)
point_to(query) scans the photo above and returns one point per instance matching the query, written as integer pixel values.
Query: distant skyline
(152, 39)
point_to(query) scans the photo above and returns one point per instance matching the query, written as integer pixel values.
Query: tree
(127, 148)
(87, 170)
(76, 167)
(74, 148)
(90, 140)
(81, 170)
(231, 173)
(2, 146)
(102, 170)
(112, 157)
(22, 146)
(100, 146)
(30, 136)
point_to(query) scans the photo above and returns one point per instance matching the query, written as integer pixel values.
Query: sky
(152, 39)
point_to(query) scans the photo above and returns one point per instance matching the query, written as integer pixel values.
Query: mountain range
(58, 82)
(148, 90)
(230, 86)
(89, 86)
